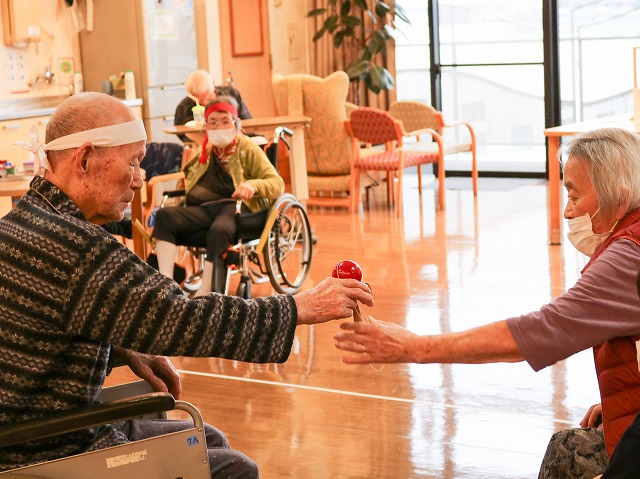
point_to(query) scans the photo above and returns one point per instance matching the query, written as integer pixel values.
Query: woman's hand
(375, 342)
(156, 370)
(244, 191)
(593, 417)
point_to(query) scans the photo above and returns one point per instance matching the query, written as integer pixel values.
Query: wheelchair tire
(287, 254)
(244, 289)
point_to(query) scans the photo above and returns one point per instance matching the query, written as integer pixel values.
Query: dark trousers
(223, 461)
(177, 223)
(625, 460)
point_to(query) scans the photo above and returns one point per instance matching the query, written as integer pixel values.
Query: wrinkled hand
(156, 370)
(244, 191)
(375, 342)
(593, 415)
(331, 299)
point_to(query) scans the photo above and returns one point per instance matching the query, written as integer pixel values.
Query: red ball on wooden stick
(347, 269)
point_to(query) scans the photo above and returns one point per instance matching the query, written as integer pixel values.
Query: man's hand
(331, 299)
(156, 370)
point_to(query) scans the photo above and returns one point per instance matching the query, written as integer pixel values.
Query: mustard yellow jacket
(248, 163)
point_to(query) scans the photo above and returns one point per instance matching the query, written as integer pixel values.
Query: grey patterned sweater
(69, 290)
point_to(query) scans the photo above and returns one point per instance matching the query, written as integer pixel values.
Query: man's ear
(83, 157)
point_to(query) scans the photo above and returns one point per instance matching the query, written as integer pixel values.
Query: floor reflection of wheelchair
(273, 245)
(178, 454)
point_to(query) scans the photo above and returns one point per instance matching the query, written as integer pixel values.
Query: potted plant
(362, 45)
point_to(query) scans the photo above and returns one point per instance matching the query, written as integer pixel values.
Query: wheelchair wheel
(287, 255)
(244, 289)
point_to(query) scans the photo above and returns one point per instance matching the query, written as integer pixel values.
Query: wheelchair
(273, 245)
(178, 454)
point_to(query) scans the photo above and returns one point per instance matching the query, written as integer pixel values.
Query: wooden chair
(417, 119)
(378, 127)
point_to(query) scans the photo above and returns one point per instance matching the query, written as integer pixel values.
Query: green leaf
(382, 9)
(362, 5)
(316, 12)
(338, 38)
(365, 54)
(319, 34)
(376, 44)
(356, 68)
(351, 21)
(401, 14)
(331, 23)
(345, 8)
(372, 81)
(387, 80)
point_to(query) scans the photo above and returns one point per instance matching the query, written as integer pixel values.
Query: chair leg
(420, 182)
(390, 182)
(399, 194)
(441, 192)
(474, 172)
(355, 190)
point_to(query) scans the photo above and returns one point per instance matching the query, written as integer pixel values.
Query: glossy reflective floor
(479, 261)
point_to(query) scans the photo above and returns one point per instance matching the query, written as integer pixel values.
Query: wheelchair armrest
(95, 415)
(174, 193)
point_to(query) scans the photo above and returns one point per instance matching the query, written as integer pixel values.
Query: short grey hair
(614, 157)
(199, 82)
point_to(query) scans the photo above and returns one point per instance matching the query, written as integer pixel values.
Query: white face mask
(582, 236)
(221, 138)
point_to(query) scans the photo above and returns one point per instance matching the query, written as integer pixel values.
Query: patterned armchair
(327, 144)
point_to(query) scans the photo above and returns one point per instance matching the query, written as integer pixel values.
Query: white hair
(614, 157)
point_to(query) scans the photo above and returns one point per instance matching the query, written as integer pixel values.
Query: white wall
(288, 34)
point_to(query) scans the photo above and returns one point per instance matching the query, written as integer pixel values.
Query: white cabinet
(20, 21)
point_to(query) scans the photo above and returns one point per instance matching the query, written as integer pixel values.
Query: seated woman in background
(226, 168)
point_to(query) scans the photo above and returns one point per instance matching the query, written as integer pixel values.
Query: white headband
(111, 135)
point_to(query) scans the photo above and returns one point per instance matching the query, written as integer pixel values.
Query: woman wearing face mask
(226, 168)
(602, 310)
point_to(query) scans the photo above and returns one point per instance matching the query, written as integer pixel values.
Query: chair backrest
(327, 144)
(372, 125)
(162, 158)
(415, 115)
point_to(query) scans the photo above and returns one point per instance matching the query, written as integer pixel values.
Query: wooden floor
(479, 261)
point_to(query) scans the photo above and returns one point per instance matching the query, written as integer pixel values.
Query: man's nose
(137, 180)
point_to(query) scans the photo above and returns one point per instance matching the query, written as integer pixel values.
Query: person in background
(226, 168)
(199, 84)
(74, 299)
(601, 311)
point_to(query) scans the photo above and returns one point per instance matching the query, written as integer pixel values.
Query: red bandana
(221, 106)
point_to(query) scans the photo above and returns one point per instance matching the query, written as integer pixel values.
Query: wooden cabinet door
(20, 21)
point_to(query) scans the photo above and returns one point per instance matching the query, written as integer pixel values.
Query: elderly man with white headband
(73, 299)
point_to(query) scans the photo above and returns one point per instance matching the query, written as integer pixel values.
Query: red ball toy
(347, 269)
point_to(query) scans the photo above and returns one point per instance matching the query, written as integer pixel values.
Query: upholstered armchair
(327, 144)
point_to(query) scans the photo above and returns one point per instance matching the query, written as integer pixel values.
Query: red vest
(616, 361)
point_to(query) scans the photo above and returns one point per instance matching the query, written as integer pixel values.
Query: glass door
(491, 65)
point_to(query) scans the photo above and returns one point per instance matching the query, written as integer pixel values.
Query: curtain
(325, 59)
